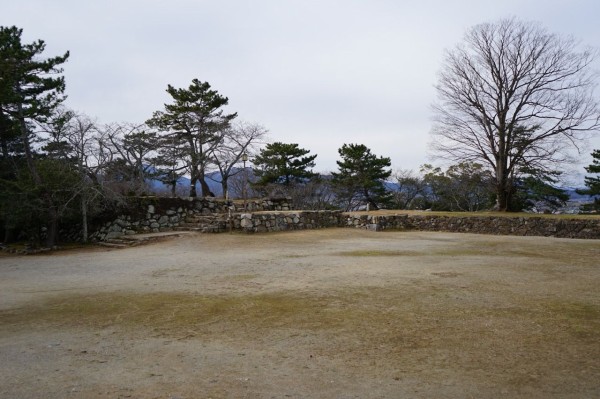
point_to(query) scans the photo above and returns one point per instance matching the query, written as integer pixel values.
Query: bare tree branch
(514, 97)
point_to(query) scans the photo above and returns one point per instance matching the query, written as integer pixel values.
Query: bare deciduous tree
(514, 97)
(410, 187)
(239, 138)
(134, 144)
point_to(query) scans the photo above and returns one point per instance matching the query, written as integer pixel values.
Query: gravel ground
(336, 313)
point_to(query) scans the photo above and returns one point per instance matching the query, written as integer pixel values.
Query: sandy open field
(335, 313)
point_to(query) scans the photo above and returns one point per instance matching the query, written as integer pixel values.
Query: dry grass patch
(437, 315)
(372, 252)
(380, 330)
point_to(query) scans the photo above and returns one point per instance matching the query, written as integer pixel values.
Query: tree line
(512, 99)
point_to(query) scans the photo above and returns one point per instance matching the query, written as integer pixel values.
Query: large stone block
(246, 223)
(113, 234)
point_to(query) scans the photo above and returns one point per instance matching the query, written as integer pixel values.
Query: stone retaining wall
(156, 214)
(499, 225)
(280, 221)
(165, 214)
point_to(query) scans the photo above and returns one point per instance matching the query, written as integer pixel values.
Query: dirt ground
(336, 313)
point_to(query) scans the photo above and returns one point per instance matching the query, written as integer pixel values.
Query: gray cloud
(319, 73)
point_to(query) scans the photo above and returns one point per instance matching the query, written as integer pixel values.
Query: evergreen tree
(537, 190)
(196, 120)
(361, 177)
(283, 164)
(593, 182)
(31, 89)
(168, 165)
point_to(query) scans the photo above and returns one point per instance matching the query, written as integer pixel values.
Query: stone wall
(215, 215)
(588, 228)
(263, 222)
(156, 214)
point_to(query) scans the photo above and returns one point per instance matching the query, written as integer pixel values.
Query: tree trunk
(4, 146)
(52, 229)
(193, 181)
(84, 219)
(203, 185)
(3, 139)
(502, 194)
(27, 147)
(37, 181)
(205, 189)
(225, 187)
(501, 200)
(8, 234)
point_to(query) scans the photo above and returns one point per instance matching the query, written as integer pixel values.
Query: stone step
(194, 225)
(187, 228)
(199, 218)
(113, 244)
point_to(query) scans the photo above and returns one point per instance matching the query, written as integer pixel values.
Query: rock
(115, 228)
(150, 209)
(113, 234)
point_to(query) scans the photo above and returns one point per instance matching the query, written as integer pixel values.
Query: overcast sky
(318, 73)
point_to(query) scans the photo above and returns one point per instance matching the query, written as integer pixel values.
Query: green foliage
(470, 187)
(196, 122)
(536, 189)
(361, 178)
(23, 207)
(283, 164)
(195, 110)
(593, 183)
(31, 89)
(466, 186)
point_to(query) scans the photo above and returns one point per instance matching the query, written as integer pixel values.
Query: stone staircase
(214, 223)
(123, 242)
(134, 240)
(207, 223)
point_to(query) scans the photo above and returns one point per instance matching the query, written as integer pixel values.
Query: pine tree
(284, 164)
(593, 182)
(31, 89)
(195, 120)
(361, 177)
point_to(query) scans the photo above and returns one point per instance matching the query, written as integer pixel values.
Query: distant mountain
(213, 180)
(576, 197)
